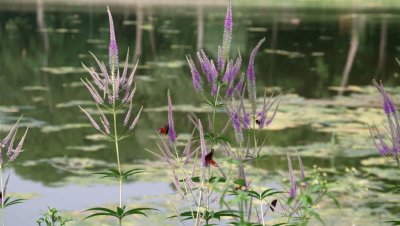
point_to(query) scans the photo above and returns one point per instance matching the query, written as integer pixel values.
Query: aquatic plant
(113, 92)
(387, 143)
(212, 195)
(198, 183)
(306, 194)
(392, 133)
(13, 151)
(52, 218)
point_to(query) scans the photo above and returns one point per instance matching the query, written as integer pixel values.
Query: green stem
(215, 107)
(262, 213)
(241, 211)
(208, 188)
(258, 174)
(2, 196)
(117, 152)
(120, 222)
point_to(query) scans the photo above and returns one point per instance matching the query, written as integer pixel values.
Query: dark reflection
(46, 46)
(306, 53)
(152, 33)
(200, 27)
(380, 68)
(354, 42)
(139, 34)
(274, 40)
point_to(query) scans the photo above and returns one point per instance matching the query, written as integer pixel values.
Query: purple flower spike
(388, 105)
(195, 74)
(11, 145)
(1, 155)
(227, 37)
(220, 62)
(128, 114)
(10, 134)
(135, 120)
(214, 89)
(18, 149)
(177, 184)
(205, 65)
(245, 120)
(235, 69)
(252, 78)
(228, 72)
(383, 148)
(93, 91)
(214, 76)
(213, 70)
(171, 130)
(303, 174)
(203, 146)
(229, 91)
(264, 121)
(113, 48)
(292, 190)
(239, 85)
(250, 69)
(94, 123)
(237, 126)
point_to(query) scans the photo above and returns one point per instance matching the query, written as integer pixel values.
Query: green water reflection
(41, 51)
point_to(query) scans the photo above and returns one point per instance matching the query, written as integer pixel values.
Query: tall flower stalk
(113, 91)
(391, 149)
(220, 86)
(10, 150)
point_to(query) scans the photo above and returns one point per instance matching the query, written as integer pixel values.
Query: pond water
(42, 47)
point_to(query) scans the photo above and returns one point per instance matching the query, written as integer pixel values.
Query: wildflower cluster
(201, 186)
(225, 72)
(13, 151)
(113, 92)
(391, 149)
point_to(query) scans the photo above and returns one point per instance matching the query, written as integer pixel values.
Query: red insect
(209, 159)
(163, 130)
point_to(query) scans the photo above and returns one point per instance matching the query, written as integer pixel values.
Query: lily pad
(89, 148)
(63, 70)
(58, 128)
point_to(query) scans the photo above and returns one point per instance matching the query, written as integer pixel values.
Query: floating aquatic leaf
(35, 88)
(74, 103)
(89, 148)
(170, 64)
(63, 70)
(57, 128)
(257, 29)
